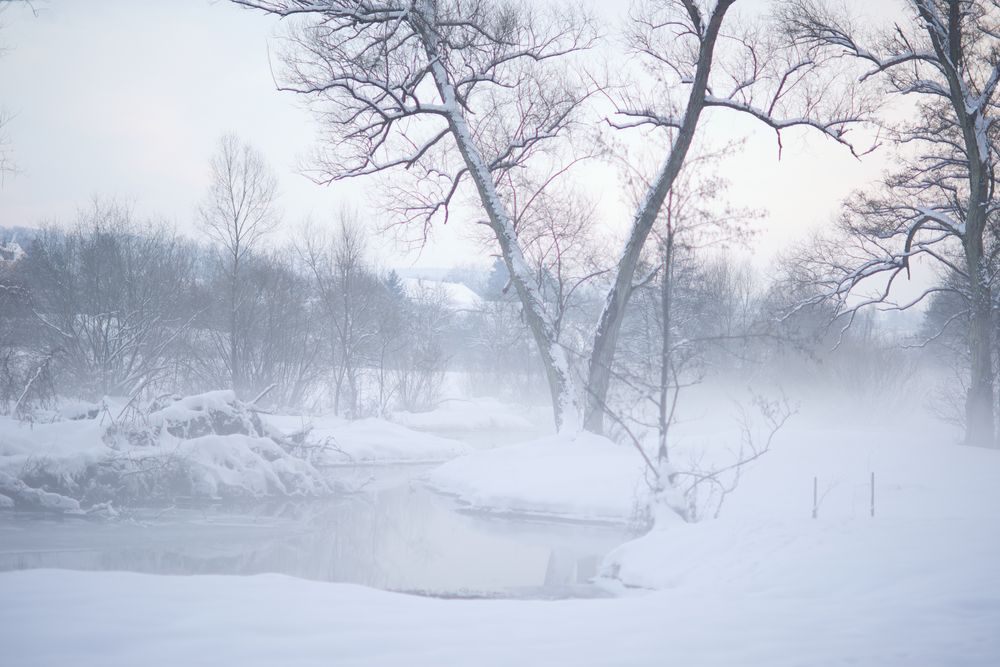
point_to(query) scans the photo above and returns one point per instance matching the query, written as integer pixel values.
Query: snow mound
(334, 441)
(932, 498)
(467, 415)
(583, 477)
(208, 446)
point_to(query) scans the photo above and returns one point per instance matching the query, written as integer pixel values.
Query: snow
(474, 414)
(368, 441)
(246, 465)
(579, 477)
(204, 446)
(190, 407)
(54, 618)
(72, 463)
(23, 441)
(763, 585)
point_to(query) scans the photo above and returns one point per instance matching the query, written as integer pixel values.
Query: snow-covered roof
(459, 296)
(11, 251)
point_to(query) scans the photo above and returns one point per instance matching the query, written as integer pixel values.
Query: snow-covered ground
(583, 477)
(469, 415)
(765, 584)
(949, 616)
(206, 446)
(367, 441)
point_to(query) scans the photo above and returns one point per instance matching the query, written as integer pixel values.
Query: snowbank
(932, 500)
(335, 441)
(477, 414)
(208, 446)
(52, 618)
(583, 477)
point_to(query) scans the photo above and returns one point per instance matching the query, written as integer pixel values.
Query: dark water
(391, 534)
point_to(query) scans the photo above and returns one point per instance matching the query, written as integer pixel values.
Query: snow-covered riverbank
(765, 584)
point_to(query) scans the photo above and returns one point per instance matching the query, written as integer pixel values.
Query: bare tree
(940, 204)
(107, 301)
(419, 371)
(686, 53)
(237, 213)
(347, 289)
(403, 84)
(281, 330)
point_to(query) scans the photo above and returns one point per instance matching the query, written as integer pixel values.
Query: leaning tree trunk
(565, 402)
(609, 327)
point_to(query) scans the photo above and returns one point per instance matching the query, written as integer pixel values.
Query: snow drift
(207, 446)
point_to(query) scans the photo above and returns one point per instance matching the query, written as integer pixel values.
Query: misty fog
(457, 332)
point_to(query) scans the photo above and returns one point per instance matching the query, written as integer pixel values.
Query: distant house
(10, 252)
(457, 296)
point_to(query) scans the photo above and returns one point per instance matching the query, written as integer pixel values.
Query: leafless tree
(238, 211)
(405, 84)
(422, 361)
(107, 301)
(693, 490)
(695, 61)
(939, 206)
(347, 289)
(281, 330)
(684, 310)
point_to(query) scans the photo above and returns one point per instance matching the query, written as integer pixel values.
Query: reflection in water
(394, 535)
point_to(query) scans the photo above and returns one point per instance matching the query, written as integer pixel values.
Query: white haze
(300, 436)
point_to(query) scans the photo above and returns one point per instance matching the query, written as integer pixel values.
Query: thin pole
(815, 497)
(873, 494)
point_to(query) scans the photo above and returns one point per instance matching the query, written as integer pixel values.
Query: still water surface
(391, 533)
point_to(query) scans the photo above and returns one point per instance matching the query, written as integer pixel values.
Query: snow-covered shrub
(15, 493)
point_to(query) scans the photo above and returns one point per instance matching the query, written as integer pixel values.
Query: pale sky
(127, 98)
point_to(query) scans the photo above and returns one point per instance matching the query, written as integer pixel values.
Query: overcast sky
(127, 98)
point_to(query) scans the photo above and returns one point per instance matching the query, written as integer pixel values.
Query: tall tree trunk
(608, 328)
(562, 387)
(666, 287)
(235, 375)
(980, 429)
